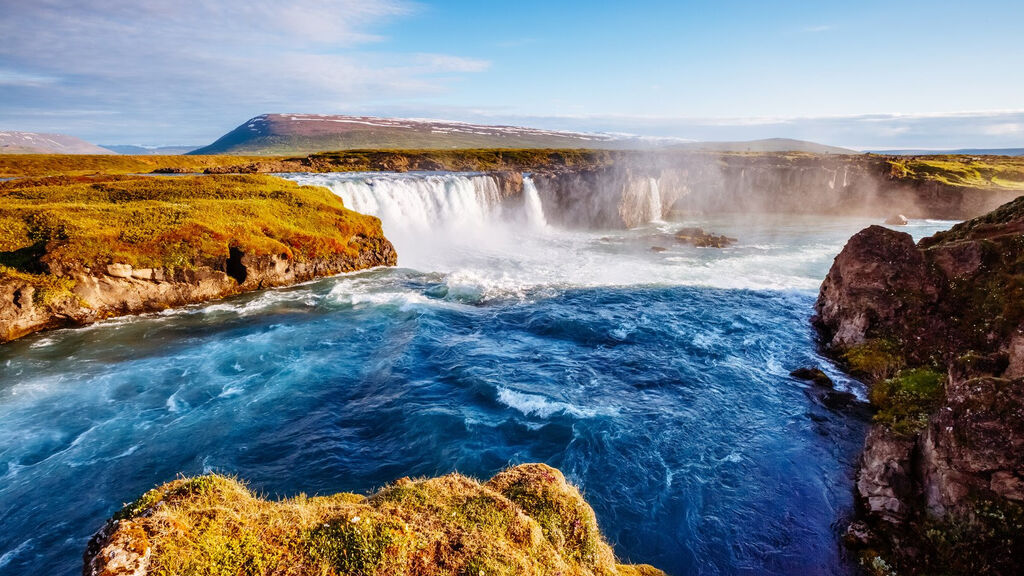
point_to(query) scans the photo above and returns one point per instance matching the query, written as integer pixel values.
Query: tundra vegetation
(526, 520)
(53, 227)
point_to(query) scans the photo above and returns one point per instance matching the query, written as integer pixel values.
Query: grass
(1003, 172)
(482, 159)
(40, 165)
(526, 520)
(184, 222)
(53, 230)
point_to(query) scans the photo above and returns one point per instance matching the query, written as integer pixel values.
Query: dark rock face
(947, 495)
(856, 300)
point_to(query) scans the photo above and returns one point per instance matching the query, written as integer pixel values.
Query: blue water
(669, 404)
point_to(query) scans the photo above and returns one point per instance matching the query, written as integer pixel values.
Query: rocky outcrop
(701, 239)
(526, 520)
(936, 329)
(120, 289)
(108, 246)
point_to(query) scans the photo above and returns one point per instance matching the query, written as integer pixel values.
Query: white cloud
(200, 67)
(1007, 129)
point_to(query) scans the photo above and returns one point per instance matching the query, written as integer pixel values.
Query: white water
(483, 247)
(654, 200)
(534, 207)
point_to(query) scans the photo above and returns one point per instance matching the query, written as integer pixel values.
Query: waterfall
(531, 201)
(417, 202)
(654, 200)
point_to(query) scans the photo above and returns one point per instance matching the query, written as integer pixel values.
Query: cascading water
(534, 208)
(415, 202)
(657, 380)
(654, 200)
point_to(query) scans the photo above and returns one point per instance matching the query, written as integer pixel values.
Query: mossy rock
(526, 520)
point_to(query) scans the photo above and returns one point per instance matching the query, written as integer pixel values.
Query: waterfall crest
(418, 202)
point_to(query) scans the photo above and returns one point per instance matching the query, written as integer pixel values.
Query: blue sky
(864, 74)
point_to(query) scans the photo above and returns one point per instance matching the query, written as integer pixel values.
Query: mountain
(961, 151)
(310, 133)
(300, 134)
(133, 150)
(34, 143)
(766, 145)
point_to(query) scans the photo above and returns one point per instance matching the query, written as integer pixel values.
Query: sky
(866, 75)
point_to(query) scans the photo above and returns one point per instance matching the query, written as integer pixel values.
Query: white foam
(541, 407)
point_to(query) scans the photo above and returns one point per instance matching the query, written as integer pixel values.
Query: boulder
(698, 237)
(119, 270)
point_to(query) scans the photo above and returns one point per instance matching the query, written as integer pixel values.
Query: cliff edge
(936, 330)
(526, 520)
(74, 250)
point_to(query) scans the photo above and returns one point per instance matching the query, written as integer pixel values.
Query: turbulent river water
(656, 380)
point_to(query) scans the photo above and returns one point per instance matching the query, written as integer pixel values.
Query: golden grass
(173, 222)
(525, 521)
(38, 165)
(1003, 172)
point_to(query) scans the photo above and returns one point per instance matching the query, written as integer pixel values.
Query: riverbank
(74, 250)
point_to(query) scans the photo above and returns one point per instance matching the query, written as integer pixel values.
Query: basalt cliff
(76, 250)
(581, 188)
(526, 520)
(936, 329)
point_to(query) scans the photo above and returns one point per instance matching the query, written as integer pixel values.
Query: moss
(905, 401)
(448, 525)
(362, 544)
(877, 359)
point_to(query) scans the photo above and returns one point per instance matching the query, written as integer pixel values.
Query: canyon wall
(622, 194)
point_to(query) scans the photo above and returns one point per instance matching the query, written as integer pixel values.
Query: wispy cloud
(819, 28)
(16, 78)
(195, 63)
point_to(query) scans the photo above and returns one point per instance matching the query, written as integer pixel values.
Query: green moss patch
(905, 401)
(876, 359)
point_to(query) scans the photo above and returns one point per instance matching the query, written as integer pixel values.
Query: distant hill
(961, 151)
(301, 134)
(34, 143)
(149, 150)
(311, 133)
(766, 145)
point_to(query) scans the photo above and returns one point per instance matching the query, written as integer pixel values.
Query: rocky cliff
(526, 520)
(937, 331)
(634, 189)
(76, 250)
